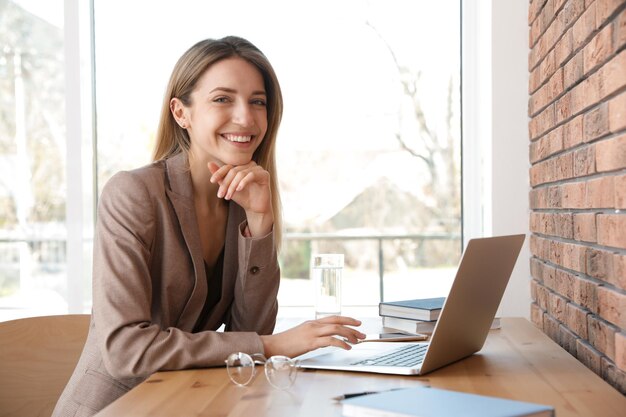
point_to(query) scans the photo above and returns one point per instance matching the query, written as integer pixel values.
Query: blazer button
(254, 270)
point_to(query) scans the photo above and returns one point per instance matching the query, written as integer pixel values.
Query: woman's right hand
(313, 334)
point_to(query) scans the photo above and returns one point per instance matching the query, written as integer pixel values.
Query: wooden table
(518, 362)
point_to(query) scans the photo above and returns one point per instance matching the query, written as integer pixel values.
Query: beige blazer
(150, 287)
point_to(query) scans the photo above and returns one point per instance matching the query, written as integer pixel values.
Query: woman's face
(227, 118)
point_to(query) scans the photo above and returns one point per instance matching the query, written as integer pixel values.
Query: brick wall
(577, 128)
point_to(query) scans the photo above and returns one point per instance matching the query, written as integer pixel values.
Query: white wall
(495, 127)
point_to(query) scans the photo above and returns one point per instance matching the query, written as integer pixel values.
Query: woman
(189, 242)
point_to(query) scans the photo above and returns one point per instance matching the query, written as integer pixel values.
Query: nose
(242, 114)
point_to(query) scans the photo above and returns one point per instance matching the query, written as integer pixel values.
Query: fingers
(322, 330)
(235, 178)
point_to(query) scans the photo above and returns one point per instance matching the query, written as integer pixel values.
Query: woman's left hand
(249, 186)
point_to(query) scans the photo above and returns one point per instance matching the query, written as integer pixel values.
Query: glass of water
(326, 270)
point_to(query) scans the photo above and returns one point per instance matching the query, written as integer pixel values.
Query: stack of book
(415, 316)
(411, 316)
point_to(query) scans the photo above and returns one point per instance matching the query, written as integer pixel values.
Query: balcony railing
(50, 253)
(378, 238)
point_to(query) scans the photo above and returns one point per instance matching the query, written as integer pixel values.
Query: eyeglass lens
(240, 367)
(280, 371)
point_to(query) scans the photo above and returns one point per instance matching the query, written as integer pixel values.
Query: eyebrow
(232, 90)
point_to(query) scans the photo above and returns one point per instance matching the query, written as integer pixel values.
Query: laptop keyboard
(407, 356)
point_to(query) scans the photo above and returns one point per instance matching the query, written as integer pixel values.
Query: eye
(221, 99)
(259, 102)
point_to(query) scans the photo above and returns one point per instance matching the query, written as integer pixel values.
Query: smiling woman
(187, 244)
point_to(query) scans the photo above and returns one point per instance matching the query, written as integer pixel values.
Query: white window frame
(495, 132)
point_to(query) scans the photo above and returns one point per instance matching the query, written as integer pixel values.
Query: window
(369, 149)
(32, 159)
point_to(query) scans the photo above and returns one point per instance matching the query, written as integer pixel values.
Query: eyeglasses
(280, 371)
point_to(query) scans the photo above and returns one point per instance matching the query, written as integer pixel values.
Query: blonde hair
(171, 139)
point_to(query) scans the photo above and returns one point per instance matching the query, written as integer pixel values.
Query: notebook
(434, 402)
(461, 329)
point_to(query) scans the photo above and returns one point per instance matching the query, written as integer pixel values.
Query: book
(420, 326)
(419, 309)
(431, 402)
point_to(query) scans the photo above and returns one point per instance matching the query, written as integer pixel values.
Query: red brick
(584, 161)
(542, 122)
(600, 264)
(537, 174)
(549, 280)
(619, 271)
(584, 27)
(557, 306)
(534, 32)
(614, 376)
(577, 320)
(564, 225)
(619, 31)
(547, 145)
(585, 227)
(567, 339)
(573, 132)
(558, 4)
(536, 315)
(588, 356)
(573, 71)
(565, 283)
(538, 198)
(598, 49)
(544, 71)
(554, 196)
(554, 141)
(613, 75)
(578, 100)
(535, 244)
(542, 297)
(563, 49)
(574, 256)
(535, 269)
(600, 193)
(612, 306)
(596, 123)
(592, 89)
(620, 351)
(611, 229)
(564, 166)
(620, 192)
(572, 195)
(563, 108)
(605, 8)
(534, 9)
(551, 327)
(617, 112)
(611, 154)
(586, 293)
(601, 336)
(571, 12)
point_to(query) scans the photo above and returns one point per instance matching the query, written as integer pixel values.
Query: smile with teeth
(238, 138)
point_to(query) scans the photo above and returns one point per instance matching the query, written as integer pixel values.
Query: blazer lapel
(180, 193)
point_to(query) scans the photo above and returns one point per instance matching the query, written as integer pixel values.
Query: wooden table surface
(517, 362)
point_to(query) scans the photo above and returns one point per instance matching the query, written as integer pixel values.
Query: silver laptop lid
(473, 300)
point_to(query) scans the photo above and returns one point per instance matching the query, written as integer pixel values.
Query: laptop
(461, 329)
